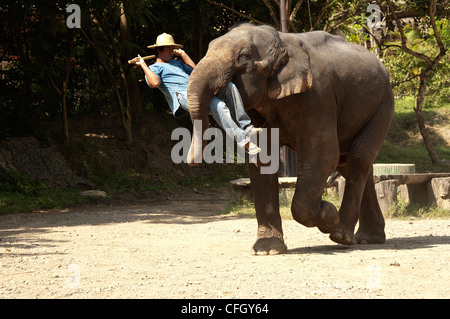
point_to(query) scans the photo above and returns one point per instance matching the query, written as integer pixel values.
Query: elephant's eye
(244, 57)
(245, 52)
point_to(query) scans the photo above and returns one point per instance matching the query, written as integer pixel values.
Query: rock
(439, 192)
(93, 193)
(386, 194)
(37, 161)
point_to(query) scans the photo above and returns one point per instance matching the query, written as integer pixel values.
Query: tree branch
(403, 38)
(47, 73)
(319, 17)
(404, 81)
(237, 12)
(291, 16)
(442, 49)
(294, 12)
(340, 17)
(272, 13)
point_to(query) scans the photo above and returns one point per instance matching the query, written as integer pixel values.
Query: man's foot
(252, 149)
(251, 130)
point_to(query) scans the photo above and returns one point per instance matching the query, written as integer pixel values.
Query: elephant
(332, 103)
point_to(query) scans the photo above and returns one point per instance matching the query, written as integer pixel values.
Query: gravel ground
(184, 248)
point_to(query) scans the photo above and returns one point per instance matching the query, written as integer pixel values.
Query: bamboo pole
(145, 58)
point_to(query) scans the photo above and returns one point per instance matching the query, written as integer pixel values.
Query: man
(172, 76)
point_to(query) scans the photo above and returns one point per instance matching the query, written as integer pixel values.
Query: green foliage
(355, 34)
(403, 143)
(115, 182)
(405, 68)
(17, 202)
(404, 210)
(37, 35)
(18, 193)
(13, 181)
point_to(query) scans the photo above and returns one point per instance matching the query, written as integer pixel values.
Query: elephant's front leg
(313, 168)
(265, 195)
(307, 207)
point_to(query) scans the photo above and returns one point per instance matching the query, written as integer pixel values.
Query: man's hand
(185, 57)
(141, 61)
(178, 52)
(152, 79)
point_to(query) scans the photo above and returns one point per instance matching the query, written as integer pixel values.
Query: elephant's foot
(329, 218)
(370, 236)
(343, 235)
(269, 246)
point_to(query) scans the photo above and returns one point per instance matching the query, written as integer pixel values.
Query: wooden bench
(418, 178)
(242, 189)
(423, 188)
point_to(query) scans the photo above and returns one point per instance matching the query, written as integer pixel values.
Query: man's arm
(186, 59)
(152, 79)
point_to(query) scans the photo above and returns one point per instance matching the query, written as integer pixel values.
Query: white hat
(163, 40)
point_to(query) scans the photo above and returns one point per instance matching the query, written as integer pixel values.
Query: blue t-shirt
(174, 77)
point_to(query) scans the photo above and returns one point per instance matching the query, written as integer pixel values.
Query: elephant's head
(258, 61)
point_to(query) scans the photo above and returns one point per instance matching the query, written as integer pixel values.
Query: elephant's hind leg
(359, 187)
(350, 207)
(371, 220)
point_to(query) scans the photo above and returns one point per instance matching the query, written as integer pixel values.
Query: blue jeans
(228, 111)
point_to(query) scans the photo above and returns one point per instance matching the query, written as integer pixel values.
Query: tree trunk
(135, 105)
(431, 65)
(64, 89)
(21, 48)
(420, 120)
(125, 113)
(126, 121)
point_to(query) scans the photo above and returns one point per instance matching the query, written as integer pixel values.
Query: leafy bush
(405, 69)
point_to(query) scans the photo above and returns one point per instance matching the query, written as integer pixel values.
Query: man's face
(167, 53)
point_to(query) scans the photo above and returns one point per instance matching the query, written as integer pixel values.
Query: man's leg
(182, 99)
(221, 114)
(233, 99)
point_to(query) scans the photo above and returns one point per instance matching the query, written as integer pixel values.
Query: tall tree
(87, 31)
(301, 15)
(131, 84)
(65, 122)
(430, 64)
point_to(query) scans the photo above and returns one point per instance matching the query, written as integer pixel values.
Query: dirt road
(184, 248)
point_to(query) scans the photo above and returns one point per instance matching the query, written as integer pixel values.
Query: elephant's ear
(291, 74)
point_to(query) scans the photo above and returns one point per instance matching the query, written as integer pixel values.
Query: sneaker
(252, 149)
(251, 130)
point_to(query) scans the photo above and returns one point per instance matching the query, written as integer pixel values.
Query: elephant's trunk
(208, 76)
